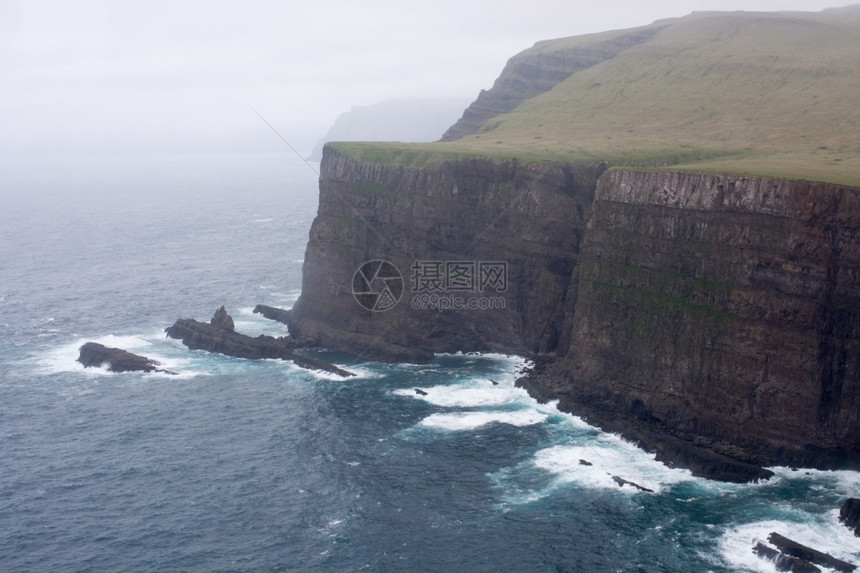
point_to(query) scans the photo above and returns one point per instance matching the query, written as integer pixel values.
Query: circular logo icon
(377, 285)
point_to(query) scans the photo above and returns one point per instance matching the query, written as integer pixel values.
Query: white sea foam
(511, 366)
(246, 321)
(285, 300)
(595, 464)
(360, 372)
(474, 395)
(460, 421)
(154, 346)
(171, 355)
(64, 358)
(823, 532)
(844, 482)
(279, 298)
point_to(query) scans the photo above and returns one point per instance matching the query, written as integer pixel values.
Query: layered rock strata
(712, 318)
(441, 228)
(725, 310)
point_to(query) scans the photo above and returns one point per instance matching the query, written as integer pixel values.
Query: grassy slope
(774, 94)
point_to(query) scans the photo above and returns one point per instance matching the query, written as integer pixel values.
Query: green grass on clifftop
(769, 94)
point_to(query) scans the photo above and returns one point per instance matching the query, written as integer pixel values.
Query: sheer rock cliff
(713, 312)
(529, 218)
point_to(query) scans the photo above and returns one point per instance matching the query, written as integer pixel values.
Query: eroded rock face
(529, 218)
(222, 321)
(725, 309)
(784, 562)
(803, 558)
(716, 319)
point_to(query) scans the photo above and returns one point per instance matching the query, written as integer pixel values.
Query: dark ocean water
(237, 465)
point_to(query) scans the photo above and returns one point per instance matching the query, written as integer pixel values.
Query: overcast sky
(84, 77)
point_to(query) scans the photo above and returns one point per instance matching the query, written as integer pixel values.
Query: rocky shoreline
(219, 336)
(668, 449)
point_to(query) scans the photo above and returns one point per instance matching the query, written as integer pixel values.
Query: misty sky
(161, 76)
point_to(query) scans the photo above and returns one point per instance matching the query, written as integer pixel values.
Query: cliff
(665, 219)
(721, 311)
(540, 69)
(724, 309)
(519, 224)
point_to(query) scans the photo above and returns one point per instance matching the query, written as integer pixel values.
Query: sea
(261, 466)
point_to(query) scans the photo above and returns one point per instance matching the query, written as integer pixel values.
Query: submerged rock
(220, 337)
(806, 554)
(117, 359)
(622, 482)
(784, 562)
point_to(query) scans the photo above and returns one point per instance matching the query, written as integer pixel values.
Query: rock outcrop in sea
(219, 335)
(849, 514)
(93, 354)
(272, 313)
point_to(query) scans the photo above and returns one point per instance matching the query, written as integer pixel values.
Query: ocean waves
(717, 523)
(379, 442)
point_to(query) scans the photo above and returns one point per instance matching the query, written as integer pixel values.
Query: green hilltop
(769, 94)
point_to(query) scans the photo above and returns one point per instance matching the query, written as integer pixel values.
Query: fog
(167, 76)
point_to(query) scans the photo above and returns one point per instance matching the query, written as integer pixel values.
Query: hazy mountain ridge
(541, 68)
(403, 119)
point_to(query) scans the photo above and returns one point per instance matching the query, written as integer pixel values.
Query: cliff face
(541, 68)
(723, 311)
(484, 250)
